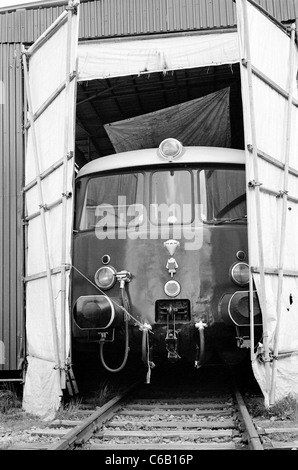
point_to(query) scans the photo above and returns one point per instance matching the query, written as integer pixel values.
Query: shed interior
(114, 99)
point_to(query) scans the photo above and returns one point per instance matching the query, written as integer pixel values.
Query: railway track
(176, 424)
(162, 419)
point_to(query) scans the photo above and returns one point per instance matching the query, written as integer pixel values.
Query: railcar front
(160, 255)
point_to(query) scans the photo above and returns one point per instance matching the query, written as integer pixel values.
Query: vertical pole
(251, 317)
(257, 196)
(42, 214)
(284, 213)
(73, 197)
(25, 224)
(64, 198)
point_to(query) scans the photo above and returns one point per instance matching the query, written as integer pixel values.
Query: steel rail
(84, 431)
(254, 442)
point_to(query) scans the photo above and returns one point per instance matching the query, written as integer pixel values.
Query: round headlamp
(240, 274)
(105, 277)
(170, 149)
(172, 288)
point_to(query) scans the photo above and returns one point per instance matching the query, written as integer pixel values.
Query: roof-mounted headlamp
(170, 149)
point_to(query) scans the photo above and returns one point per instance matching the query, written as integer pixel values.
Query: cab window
(171, 200)
(110, 197)
(222, 193)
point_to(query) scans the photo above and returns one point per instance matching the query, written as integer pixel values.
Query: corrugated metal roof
(111, 18)
(11, 174)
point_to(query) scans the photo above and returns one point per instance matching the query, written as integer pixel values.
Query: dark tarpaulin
(204, 121)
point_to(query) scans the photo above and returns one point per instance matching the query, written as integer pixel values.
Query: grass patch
(70, 409)
(284, 409)
(101, 396)
(12, 416)
(9, 399)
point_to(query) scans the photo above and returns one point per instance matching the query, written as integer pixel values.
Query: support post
(251, 317)
(64, 199)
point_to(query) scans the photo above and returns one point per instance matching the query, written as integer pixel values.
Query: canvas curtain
(275, 137)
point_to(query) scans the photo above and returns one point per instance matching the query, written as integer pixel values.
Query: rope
(146, 351)
(201, 349)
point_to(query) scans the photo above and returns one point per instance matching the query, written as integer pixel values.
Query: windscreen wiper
(231, 219)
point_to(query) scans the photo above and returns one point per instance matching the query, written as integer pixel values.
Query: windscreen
(110, 197)
(171, 197)
(119, 200)
(222, 194)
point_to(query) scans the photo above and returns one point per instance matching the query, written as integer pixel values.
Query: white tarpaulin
(49, 172)
(134, 57)
(269, 91)
(204, 121)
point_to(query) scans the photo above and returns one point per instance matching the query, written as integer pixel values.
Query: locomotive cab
(160, 254)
